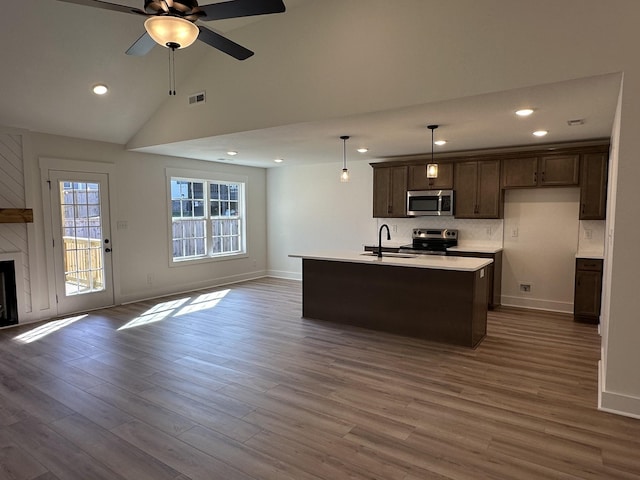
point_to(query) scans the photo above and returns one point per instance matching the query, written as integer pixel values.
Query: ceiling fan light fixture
(168, 31)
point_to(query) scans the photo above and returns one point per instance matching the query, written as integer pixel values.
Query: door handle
(107, 250)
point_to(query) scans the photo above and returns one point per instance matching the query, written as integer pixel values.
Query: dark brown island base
(436, 298)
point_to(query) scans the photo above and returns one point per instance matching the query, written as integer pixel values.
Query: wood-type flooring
(231, 384)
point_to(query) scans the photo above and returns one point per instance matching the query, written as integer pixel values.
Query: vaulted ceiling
(54, 52)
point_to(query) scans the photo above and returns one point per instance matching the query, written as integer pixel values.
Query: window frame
(207, 178)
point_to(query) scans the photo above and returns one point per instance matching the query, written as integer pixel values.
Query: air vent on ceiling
(196, 98)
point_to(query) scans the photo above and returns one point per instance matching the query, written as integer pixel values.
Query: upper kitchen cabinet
(418, 177)
(543, 171)
(593, 186)
(390, 191)
(477, 189)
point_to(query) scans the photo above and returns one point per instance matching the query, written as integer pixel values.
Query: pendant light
(344, 176)
(432, 168)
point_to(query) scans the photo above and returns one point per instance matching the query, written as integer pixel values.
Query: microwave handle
(439, 203)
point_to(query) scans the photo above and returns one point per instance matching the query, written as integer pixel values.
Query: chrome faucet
(384, 225)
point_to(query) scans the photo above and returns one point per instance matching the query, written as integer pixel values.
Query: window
(207, 218)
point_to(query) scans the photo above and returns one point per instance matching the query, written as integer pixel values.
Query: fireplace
(8, 294)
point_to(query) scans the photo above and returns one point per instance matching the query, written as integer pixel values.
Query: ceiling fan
(171, 23)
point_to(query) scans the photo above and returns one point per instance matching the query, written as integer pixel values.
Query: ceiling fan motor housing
(180, 8)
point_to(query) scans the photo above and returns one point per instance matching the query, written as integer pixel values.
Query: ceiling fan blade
(223, 44)
(106, 6)
(142, 46)
(241, 8)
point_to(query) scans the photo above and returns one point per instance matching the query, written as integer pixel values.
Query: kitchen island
(436, 298)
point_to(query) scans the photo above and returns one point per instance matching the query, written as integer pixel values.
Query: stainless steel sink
(390, 254)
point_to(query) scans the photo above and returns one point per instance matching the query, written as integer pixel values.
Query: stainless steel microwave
(429, 202)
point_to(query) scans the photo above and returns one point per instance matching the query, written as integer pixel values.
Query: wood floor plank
(121, 457)
(177, 454)
(62, 458)
(15, 462)
(247, 390)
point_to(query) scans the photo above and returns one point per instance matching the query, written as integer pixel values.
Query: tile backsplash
(471, 232)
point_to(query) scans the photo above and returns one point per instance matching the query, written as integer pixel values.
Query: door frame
(48, 164)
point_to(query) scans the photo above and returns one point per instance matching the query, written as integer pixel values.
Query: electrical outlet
(525, 287)
(149, 279)
(514, 232)
(489, 231)
(394, 228)
(588, 234)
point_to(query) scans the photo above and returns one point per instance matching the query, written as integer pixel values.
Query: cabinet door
(399, 192)
(418, 178)
(586, 302)
(382, 192)
(489, 194)
(520, 172)
(559, 170)
(466, 186)
(593, 186)
(390, 192)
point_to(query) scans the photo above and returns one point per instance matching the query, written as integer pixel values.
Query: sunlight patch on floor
(46, 329)
(176, 308)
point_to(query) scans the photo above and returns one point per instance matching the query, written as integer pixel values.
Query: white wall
(310, 209)
(540, 244)
(138, 197)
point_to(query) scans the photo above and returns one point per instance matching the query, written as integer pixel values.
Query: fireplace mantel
(16, 215)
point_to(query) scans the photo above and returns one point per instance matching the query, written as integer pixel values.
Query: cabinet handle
(535, 177)
(543, 177)
(582, 208)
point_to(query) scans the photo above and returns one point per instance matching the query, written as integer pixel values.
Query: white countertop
(437, 262)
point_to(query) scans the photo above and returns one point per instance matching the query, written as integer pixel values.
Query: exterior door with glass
(81, 240)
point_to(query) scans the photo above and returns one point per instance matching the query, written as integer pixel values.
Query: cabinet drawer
(592, 264)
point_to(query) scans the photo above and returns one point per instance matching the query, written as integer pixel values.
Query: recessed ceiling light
(540, 133)
(440, 142)
(524, 112)
(363, 150)
(100, 89)
(232, 153)
(278, 160)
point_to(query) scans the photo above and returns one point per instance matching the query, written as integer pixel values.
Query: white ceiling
(54, 52)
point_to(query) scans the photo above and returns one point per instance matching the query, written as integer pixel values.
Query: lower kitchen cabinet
(494, 274)
(588, 290)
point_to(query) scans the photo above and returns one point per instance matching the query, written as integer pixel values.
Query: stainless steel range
(431, 241)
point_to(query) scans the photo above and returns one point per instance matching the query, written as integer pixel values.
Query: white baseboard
(616, 403)
(284, 274)
(536, 304)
